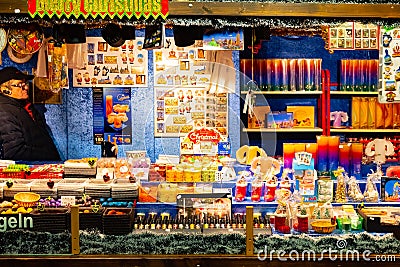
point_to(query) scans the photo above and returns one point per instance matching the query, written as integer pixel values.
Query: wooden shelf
(365, 130)
(286, 130)
(352, 93)
(259, 9)
(284, 92)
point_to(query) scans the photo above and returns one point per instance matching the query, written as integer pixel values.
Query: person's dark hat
(11, 73)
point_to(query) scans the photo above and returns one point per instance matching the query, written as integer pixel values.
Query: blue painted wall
(71, 122)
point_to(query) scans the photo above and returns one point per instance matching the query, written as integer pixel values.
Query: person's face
(19, 89)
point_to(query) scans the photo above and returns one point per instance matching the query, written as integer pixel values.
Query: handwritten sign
(67, 201)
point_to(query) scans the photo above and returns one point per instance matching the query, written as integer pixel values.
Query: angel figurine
(338, 117)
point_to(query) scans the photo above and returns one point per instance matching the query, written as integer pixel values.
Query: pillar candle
(309, 74)
(300, 74)
(285, 74)
(356, 158)
(312, 148)
(317, 75)
(333, 153)
(288, 155)
(344, 156)
(299, 147)
(322, 142)
(268, 71)
(292, 72)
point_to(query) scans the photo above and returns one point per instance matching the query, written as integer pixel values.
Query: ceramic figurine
(338, 117)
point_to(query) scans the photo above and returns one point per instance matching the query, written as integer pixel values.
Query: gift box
(303, 116)
(277, 120)
(257, 118)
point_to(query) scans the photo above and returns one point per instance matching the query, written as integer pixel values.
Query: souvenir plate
(25, 41)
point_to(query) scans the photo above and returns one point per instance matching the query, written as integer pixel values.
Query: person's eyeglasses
(20, 85)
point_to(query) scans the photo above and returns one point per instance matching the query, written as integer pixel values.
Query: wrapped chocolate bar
(355, 112)
(364, 113)
(371, 112)
(388, 116)
(380, 116)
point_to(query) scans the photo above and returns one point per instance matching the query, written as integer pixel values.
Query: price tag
(218, 176)
(222, 190)
(67, 201)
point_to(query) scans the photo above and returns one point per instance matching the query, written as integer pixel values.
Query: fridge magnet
(113, 65)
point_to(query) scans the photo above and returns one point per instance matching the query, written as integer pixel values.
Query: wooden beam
(259, 9)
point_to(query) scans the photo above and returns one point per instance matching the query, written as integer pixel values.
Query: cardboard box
(278, 120)
(303, 116)
(257, 120)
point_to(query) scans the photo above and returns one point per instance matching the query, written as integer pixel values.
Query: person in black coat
(23, 131)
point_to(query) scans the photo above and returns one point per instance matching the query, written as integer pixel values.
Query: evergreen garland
(94, 243)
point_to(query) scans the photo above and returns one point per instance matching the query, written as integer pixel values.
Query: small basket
(323, 227)
(27, 199)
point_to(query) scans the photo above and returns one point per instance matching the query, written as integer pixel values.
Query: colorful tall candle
(322, 142)
(299, 147)
(373, 66)
(345, 75)
(292, 72)
(356, 158)
(276, 81)
(353, 74)
(300, 74)
(312, 148)
(268, 72)
(285, 76)
(288, 155)
(309, 74)
(333, 153)
(344, 156)
(317, 74)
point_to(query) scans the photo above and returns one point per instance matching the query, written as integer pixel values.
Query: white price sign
(218, 176)
(222, 190)
(67, 201)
